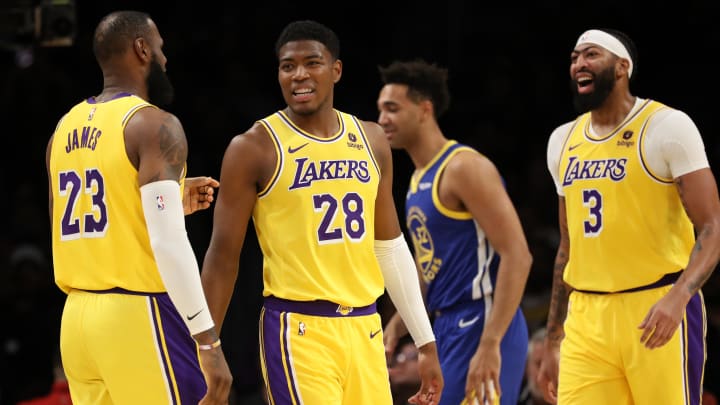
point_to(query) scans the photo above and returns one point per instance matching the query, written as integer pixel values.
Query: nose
(300, 73)
(382, 119)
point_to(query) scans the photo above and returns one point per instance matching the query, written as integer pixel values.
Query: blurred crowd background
(509, 83)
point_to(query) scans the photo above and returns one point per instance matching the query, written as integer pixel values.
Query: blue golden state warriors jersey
(456, 260)
(315, 220)
(627, 225)
(99, 237)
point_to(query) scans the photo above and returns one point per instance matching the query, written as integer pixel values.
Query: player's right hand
(217, 376)
(547, 378)
(431, 378)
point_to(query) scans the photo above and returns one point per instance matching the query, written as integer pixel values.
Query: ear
(623, 67)
(426, 107)
(142, 49)
(337, 70)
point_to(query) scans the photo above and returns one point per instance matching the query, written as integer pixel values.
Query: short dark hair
(309, 30)
(425, 81)
(628, 44)
(116, 31)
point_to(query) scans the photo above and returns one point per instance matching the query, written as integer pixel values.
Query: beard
(160, 90)
(604, 82)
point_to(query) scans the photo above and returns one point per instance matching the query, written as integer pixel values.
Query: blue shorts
(458, 332)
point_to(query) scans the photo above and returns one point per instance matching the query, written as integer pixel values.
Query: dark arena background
(509, 82)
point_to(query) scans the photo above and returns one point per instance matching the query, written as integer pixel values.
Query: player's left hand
(662, 320)
(199, 193)
(483, 379)
(430, 376)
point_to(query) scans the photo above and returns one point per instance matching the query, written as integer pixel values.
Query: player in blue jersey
(462, 222)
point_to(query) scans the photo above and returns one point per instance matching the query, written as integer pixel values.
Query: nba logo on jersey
(301, 329)
(160, 202)
(92, 114)
(344, 310)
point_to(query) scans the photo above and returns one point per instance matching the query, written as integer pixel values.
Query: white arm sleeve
(403, 286)
(673, 145)
(176, 262)
(554, 151)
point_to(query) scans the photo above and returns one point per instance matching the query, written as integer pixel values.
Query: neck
(322, 123)
(612, 112)
(114, 84)
(429, 142)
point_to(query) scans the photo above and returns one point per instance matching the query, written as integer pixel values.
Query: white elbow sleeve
(176, 262)
(403, 286)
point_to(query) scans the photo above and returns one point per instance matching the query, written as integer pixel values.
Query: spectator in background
(403, 370)
(531, 394)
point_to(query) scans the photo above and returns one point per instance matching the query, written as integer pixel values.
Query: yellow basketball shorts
(321, 353)
(124, 348)
(602, 360)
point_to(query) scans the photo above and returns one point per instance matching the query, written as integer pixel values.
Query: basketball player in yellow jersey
(317, 183)
(135, 326)
(627, 319)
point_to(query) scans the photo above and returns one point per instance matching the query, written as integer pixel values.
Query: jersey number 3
(90, 224)
(592, 199)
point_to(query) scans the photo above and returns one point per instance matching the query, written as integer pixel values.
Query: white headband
(608, 42)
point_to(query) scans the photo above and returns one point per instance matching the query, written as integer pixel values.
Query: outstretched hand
(430, 376)
(199, 193)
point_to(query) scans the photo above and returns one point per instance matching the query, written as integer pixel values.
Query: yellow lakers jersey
(99, 237)
(315, 218)
(626, 224)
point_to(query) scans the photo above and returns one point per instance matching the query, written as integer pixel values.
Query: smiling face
(593, 76)
(400, 116)
(307, 74)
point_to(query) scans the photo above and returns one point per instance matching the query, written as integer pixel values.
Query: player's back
(456, 260)
(99, 238)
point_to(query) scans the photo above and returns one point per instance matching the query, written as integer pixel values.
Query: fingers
(426, 396)
(212, 182)
(547, 386)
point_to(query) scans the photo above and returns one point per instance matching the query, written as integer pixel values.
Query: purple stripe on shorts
(276, 381)
(695, 362)
(182, 353)
(158, 336)
(317, 308)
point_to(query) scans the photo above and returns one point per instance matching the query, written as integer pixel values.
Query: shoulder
(251, 146)
(561, 132)
(150, 120)
(373, 130)
(672, 117)
(376, 136)
(468, 161)
(557, 139)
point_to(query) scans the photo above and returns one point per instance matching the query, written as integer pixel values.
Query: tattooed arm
(548, 373)
(699, 195)
(156, 145)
